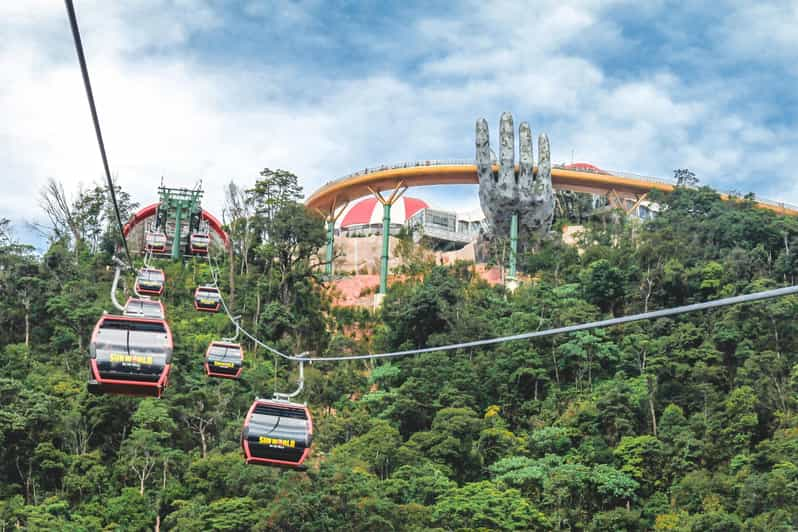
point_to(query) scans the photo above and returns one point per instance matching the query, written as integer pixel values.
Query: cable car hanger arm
(300, 381)
(235, 320)
(114, 286)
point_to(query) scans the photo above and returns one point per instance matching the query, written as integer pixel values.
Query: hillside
(678, 424)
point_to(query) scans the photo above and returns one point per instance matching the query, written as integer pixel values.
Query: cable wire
(746, 298)
(73, 22)
(215, 276)
(695, 307)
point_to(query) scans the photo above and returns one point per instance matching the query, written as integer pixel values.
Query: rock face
(514, 190)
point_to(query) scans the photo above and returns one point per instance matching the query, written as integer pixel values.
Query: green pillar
(386, 240)
(513, 245)
(330, 241)
(176, 237)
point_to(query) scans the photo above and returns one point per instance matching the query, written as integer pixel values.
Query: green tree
(481, 505)
(641, 458)
(603, 285)
(377, 448)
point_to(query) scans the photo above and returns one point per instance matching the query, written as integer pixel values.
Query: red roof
(363, 212)
(585, 166)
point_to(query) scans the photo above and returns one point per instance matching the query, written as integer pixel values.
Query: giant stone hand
(509, 190)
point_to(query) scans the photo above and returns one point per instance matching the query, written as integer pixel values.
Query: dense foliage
(677, 424)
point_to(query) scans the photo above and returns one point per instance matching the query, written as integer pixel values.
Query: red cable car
(198, 243)
(150, 281)
(155, 242)
(224, 359)
(277, 433)
(207, 299)
(130, 356)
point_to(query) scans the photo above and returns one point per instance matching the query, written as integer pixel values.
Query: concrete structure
(445, 228)
(623, 190)
(613, 183)
(639, 208)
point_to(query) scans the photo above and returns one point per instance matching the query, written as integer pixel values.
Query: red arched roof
(139, 217)
(149, 211)
(413, 205)
(362, 212)
(216, 225)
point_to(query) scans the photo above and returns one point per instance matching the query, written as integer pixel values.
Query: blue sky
(191, 89)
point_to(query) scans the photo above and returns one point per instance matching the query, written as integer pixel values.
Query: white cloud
(166, 109)
(762, 31)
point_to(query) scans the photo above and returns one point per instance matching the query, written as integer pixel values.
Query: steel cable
(73, 22)
(695, 307)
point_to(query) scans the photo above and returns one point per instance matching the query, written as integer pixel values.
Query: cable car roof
(113, 321)
(146, 308)
(222, 343)
(207, 289)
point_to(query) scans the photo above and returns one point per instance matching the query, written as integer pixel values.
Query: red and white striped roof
(369, 211)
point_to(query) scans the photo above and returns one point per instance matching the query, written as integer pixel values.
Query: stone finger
(483, 154)
(507, 178)
(484, 162)
(543, 181)
(526, 158)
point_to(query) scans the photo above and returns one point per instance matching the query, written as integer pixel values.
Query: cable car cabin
(130, 356)
(207, 298)
(150, 281)
(155, 242)
(144, 308)
(224, 359)
(277, 433)
(198, 243)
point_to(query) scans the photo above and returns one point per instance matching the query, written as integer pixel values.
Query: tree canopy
(683, 423)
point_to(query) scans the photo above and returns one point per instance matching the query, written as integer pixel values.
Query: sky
(218, 90)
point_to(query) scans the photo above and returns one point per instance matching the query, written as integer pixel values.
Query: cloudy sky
(217, 90)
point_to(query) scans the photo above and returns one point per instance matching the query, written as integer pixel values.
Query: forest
(679, 424)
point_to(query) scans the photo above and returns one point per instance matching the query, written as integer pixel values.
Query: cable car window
(130, 325)
(223, 351)
(133, 338)
(207, 294)
(275, 427)
(147, 342)
(111, 339)
(152, 275)
(156, 239)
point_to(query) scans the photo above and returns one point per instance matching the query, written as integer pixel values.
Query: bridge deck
(424, 173)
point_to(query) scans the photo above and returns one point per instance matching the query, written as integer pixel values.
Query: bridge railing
(627, 175)
(471, 162)
(779, 204)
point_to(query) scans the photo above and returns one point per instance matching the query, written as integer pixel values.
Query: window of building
(442, 221)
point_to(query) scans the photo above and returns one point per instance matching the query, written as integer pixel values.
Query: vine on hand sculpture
(508, 190)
